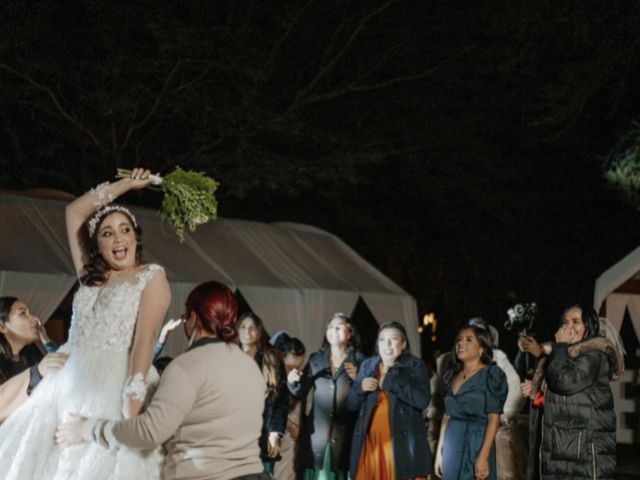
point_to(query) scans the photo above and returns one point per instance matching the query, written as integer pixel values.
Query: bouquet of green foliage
(189, 198)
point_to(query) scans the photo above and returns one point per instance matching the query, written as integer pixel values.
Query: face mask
(193, 333)
(192, 337)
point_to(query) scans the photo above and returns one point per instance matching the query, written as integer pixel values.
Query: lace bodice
(105, 317)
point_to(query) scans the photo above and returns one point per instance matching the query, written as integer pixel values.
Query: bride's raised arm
(154, 303)
(82, 207)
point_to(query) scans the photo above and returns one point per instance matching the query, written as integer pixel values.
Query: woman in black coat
(327, 425)
(578, 430)
(391, 392)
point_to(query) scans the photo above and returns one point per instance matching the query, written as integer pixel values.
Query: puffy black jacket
(579, 423)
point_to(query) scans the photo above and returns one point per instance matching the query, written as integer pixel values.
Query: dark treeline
(457, 145)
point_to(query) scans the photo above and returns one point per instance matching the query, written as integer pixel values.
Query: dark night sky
(458, 146)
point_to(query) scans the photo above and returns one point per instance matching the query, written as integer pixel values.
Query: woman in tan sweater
(207, 410)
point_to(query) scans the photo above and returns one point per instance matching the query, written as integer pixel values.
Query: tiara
(99, 215)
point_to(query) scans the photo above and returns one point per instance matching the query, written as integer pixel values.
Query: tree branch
(383, 58)
(114, 138)
(331, 63)
(55, 101)
(332, 42)
(207, 146)
(18, 151)
(189, 84)
(353, 87)
(153, 108)
(278, 43)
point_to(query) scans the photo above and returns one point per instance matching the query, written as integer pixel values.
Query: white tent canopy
(618, 290)
(294, 276)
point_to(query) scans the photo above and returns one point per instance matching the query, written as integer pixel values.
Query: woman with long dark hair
(474, 393)
(208, 406)
(391, 392)
(254, 341)
(117, 311)
(22, 365)
(327, 425)
(578, 427)
(292, 351)
(19, 331)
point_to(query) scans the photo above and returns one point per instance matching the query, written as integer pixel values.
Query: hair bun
(227, 333)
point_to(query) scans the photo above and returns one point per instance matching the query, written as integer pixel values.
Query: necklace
(466, 375)
(335, 362)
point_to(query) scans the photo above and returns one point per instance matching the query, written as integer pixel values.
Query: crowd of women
(239, 404)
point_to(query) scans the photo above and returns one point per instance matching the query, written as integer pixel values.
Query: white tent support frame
(294, 276)
(617, 291)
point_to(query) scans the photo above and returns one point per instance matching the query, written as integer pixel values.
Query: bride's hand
(140, 178)
(51, 363)
(69, 433)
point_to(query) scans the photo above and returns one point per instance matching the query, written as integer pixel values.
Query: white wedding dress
(90, 384)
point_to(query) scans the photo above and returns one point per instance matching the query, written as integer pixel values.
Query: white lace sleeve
(147, 273)
(135, 388)
(154, 300)
(103, 195)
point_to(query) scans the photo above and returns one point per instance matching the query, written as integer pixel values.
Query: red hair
(216, 309)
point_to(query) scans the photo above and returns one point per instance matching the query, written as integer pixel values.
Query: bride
(117, 310)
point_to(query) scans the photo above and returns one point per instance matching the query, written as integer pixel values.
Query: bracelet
(104, 196)
(135, 388)
(34, 378)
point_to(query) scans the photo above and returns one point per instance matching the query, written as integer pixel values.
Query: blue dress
(483, 393)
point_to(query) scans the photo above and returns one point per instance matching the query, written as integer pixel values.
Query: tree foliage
(269, 95)
(458, 145)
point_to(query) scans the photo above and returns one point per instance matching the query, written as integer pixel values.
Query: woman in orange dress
(390, 392)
